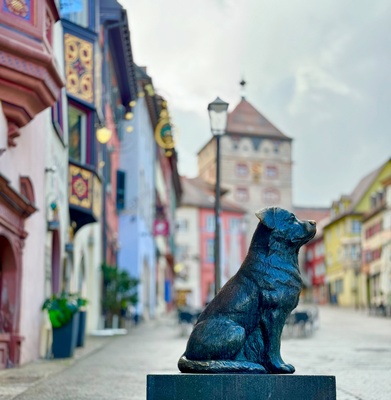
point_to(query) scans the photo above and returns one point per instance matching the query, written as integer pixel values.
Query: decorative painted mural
(20, 8)
(79, 69)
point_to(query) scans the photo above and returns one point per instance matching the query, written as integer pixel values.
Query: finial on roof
(243, 88)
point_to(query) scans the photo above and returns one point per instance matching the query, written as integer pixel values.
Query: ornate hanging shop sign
(164, 134)
(85, 196)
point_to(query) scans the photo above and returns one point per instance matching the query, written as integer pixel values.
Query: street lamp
(218, 112)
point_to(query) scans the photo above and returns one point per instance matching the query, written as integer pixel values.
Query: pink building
(30, 83)
(195, 242)
(312, 256)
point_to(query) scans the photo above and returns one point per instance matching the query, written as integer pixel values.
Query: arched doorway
(9, 301)
(15, 207)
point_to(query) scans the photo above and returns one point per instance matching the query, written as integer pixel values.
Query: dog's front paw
(279, 367)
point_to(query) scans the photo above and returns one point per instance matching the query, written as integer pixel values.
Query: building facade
(342, 236)
(82, 58)
(194, 284)
(376, 250)
(31, 83)
(137, 253)
(256, 162)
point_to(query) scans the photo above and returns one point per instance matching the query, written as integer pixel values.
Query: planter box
(82, 329)
(65, 338)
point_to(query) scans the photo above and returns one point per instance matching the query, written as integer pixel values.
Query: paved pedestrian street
(351, 345)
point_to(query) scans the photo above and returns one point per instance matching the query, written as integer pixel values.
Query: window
(338, 286)
(319, 250)
(235, 143)
(76, 11)
(120, 190)
(234, 224)
(57, 118)
(210, 223)
(182, 225)
(271, 171)
(356, 226)
(320, 270)
(271, 196)
(242, 170)
(210, 250)
(241, 194)
(374, 229)
(181, 252)
(355, 252)
(77, 120)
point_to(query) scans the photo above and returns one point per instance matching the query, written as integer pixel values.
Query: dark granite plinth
(240, 387)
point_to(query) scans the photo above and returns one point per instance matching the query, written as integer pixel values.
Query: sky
(320, 71)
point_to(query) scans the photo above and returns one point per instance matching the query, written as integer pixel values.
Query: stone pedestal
(240, 387)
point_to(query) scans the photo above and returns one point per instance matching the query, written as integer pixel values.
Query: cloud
(318, 70)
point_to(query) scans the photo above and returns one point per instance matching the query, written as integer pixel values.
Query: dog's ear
(267, 216)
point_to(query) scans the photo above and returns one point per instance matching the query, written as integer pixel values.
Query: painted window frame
(267, 196)
(210, 250)
(58, 118)
(87, 142)
(242, 170)
(271, 172)
(242, 194)
(210, 223)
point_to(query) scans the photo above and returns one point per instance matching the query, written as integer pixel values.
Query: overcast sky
(320, 71)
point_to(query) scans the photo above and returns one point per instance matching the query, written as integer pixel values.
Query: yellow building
(376, 250)
(345, 278)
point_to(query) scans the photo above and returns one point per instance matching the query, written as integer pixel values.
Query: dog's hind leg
(219, 367)
(215, 339)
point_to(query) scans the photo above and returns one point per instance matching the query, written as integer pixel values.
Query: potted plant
(81, 333)
(63, 314)
(119, 292)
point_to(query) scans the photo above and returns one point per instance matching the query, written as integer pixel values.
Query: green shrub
(61, 308)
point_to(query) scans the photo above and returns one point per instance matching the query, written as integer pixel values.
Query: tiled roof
(201, 194)
(359, 191)
(363, 186)
(247, 120)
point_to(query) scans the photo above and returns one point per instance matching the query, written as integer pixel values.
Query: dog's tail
(219, 366)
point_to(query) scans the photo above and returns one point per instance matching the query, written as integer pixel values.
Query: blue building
(137, 252)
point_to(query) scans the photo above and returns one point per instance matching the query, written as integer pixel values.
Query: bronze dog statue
(240, 329)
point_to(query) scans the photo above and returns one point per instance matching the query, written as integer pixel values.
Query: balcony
(30, 79)
(85, 195)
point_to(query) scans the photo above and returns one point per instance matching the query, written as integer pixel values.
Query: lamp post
(218, 112)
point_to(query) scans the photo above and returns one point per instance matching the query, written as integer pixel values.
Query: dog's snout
(312, 222)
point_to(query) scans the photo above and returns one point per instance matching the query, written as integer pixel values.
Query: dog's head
(284, 227)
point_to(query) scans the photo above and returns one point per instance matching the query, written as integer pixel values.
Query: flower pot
(64, 338)
(82, 329)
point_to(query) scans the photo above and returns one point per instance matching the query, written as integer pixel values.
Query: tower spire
(243, 83)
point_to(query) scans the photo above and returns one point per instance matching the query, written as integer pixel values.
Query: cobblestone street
(351, 345)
